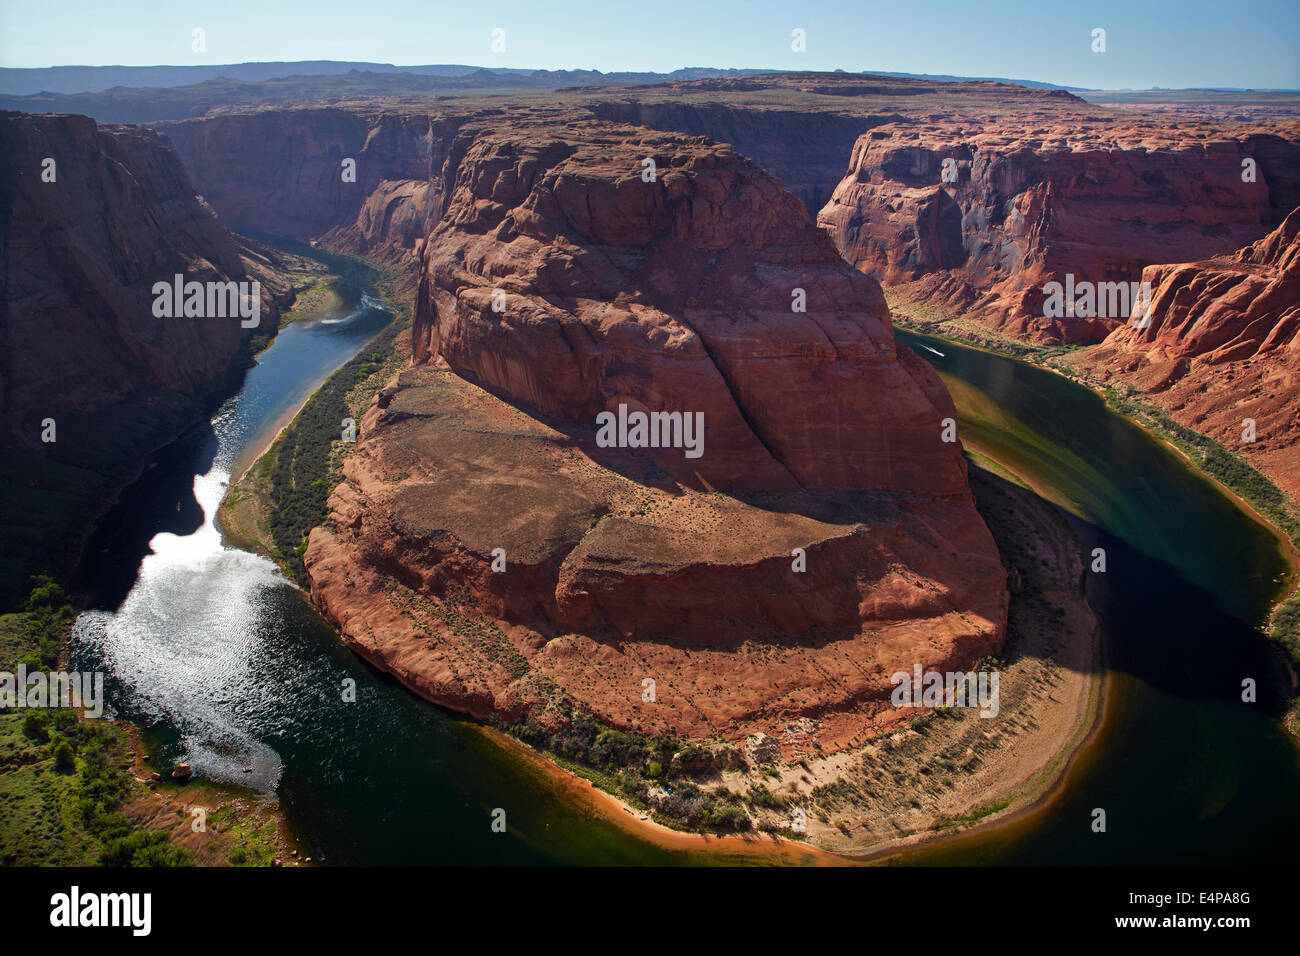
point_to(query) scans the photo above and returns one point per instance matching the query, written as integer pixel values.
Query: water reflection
(188, 644)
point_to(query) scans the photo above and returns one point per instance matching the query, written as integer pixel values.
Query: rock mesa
(658, 591)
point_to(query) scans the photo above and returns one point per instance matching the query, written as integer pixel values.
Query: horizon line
(752, 70)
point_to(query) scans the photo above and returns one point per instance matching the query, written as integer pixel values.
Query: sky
(1165, 43)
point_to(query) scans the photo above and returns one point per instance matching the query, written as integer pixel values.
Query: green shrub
(65, 758)
(728, 816)
(144, 848)
(48, 618)
(1285, 628)
(34, 729)
(301, 474)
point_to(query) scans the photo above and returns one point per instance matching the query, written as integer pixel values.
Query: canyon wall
(1034, 199)
(81, 346)
(1044, 185)
(282, 172)
(805, 150)
(1222, 346)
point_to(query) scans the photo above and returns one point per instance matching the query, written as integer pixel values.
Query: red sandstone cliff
(1046, 184)
(693, 275)
(282, 172)
(625, 566)
(1039, 197)
(1223, 345)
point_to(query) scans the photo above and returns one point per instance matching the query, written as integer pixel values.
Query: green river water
(230, 670)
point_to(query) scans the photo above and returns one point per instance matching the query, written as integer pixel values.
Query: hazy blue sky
(1170, 43)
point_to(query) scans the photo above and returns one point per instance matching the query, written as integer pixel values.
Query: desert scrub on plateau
(61, 787)
(651, 773)
(254, 841)
(35, 637)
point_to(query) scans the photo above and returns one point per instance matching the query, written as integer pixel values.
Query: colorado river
(229, 669)
(1186, 772)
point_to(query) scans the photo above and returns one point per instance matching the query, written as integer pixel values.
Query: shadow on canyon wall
(161, 501)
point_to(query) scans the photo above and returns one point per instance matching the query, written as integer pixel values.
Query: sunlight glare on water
(187, 641)
(197, 647)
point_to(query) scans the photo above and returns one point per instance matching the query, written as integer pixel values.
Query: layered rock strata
(1221, 351)
(978, 220)
(824, 538)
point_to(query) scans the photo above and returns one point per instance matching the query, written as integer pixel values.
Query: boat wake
(368, 304)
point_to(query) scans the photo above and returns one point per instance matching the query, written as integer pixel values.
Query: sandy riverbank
(220, 825)
(241, 515)
(727, 848)
(952, 774)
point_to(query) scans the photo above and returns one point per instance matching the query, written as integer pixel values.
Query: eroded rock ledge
(1037, 196)
(1222, 346)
